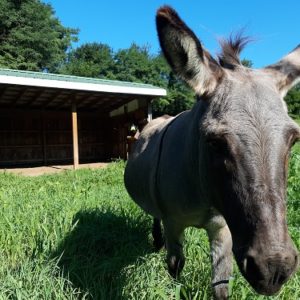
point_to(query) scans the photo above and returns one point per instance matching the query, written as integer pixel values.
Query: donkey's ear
(286, 72)
(185, 54)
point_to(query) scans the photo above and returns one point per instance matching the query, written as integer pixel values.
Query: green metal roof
(73, 79)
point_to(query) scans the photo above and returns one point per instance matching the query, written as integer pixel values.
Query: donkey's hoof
(175, 265)
(221, 293)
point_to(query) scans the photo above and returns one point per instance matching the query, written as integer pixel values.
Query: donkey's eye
(219, 146)
(213, 143)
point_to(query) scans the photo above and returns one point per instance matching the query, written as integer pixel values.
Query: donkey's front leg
(174, 235)
(221, 256)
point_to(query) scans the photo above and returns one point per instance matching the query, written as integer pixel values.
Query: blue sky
(275, 25)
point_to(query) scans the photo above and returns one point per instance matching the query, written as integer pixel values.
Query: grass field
(77, 235)
(297, 146)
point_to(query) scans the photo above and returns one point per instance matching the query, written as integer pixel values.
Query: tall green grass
(297, 146)
(77, 235)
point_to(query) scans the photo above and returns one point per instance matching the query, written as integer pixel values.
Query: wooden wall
(21, 137)
(45, 137)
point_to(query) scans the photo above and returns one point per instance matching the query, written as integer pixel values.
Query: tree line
(135, 64)
(33, 38)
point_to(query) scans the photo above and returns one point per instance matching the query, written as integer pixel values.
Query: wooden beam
(53, 97)
(75, 136)
(116, 103)
(37, 95)
(87, 101)
(19, 97)
(66, 102)
(2, 92)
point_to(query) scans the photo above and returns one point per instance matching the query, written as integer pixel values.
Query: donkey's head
(248, 136)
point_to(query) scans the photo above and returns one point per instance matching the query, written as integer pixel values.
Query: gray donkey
(222, 165)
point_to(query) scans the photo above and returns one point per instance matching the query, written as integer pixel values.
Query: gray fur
(220, 166)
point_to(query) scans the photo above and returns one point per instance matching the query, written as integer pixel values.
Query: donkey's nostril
(267, 273)
(281, 279)
(296, 261)
(275, 278)
(252, 269)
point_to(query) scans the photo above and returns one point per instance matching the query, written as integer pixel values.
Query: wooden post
(149, 118)
(75, 136)
(44, 138)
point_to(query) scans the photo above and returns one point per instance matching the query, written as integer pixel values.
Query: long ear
(185, 54)
(286, 72)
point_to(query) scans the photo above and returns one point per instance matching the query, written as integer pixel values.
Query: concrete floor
(36, 171)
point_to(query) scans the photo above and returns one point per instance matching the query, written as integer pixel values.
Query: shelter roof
(44, 90)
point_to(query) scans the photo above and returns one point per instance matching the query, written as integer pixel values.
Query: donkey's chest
(185, 206)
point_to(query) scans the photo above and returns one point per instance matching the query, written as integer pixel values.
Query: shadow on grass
(95, 253)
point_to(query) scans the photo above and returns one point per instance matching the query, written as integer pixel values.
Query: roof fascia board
(37, 82)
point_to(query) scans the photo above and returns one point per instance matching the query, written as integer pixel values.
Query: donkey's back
(162, 174)
(140, 172)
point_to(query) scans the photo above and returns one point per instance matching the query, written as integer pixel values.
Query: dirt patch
(37, 171)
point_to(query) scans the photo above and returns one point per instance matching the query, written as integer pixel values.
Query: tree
(293, 101)
(180, 97)
(90, 60)
(31, 37)
(136, 64)
(247, 63)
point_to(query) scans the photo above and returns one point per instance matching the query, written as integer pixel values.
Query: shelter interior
(37, 124)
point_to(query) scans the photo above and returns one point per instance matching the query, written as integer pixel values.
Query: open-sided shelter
(48, 119)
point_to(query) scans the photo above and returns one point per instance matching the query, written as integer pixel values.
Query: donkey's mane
(231, 50)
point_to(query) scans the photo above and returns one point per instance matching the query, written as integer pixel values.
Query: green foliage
(90, 60)
(293, 101)
(247, 63)
(134, 64)
(31, 37)
(294, 171)
(78, 235)
(180, 97)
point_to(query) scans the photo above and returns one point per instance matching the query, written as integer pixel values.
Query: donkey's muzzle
(267, 274)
